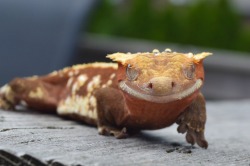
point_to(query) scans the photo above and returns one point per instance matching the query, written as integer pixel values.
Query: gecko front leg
(192, 121)
(110, 112)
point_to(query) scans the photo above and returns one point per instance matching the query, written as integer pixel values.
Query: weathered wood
(48, 137)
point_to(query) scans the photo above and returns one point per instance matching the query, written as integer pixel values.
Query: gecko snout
(161, 85)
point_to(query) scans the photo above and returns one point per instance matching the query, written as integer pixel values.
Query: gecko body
(149, 90)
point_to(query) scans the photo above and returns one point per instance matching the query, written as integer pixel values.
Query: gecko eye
(189, 71)
(131, 72)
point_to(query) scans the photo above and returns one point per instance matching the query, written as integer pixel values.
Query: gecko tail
(31, 92)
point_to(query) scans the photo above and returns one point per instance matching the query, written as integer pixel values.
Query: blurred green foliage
(209, 23)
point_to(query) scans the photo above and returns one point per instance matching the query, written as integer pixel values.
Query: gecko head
(160, 77)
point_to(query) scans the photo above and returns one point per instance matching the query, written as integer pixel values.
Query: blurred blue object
(39, 36)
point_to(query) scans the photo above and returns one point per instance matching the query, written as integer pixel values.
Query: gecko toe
(200, 139)
(193, 137)
(121, 134)
(103, 131)
(190, 137)
(202, 143)
(182, 128)
(117, 133)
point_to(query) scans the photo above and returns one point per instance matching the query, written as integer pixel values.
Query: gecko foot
(192, 121)
(194, 130)
(119, 134)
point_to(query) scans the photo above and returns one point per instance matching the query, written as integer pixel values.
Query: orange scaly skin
(140, 91)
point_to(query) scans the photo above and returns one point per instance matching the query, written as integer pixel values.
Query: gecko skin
(149, 90)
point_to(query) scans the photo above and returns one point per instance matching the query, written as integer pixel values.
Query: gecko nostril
(150, 85)
(173, 84)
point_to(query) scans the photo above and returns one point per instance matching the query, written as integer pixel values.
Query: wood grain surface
(51, 138)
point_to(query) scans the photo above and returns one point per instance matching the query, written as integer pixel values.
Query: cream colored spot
(112, 76)
(189, 55)
(109, 82)
(92, 65)
(37, 93)
(92, 101)
(54, 73)
(78, 105)
(80, 81)
(104, 85)
(7, 92)
(155, 51)
(94, 83)
(82, 78)
(71, 73)
(4, 89)
(168, 50)
(33, 77)
(70, 81)
(75, 87)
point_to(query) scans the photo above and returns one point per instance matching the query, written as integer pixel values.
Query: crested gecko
(149, 90)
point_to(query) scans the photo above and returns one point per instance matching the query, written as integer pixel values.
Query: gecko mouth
(161, 99)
